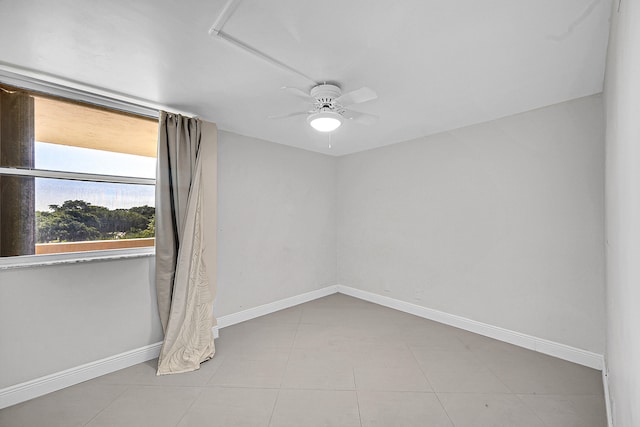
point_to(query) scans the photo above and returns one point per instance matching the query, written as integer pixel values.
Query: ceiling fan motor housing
(325, 94)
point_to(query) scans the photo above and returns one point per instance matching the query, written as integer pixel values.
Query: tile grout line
(430, 385)
(419, 366)
(531, 409)
(511, 392)
(355, 386)
(126, 389)
(486, 365)
(215, 371)
(286, 365)
(275, 403)
(190, 406)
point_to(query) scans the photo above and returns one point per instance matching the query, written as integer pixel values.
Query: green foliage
(148, 232)
(77, 220)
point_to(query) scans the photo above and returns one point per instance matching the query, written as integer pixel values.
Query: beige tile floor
(337, 361)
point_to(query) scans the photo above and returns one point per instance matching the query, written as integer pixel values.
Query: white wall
(276, 222)
(58, 317)
(500, 222)
(622, 93)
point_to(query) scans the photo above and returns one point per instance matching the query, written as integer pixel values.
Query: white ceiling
(436, 65)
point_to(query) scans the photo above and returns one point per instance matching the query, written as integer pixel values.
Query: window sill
(29, 261)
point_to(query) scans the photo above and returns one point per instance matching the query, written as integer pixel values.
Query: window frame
(91, 96)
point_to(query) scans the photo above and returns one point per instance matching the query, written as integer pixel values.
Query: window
(74, 177)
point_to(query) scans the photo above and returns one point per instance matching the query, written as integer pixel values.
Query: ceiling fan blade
(362, 118)
(300, 93)
(357, 96)
(284, 116)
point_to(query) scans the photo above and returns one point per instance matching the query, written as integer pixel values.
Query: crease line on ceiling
(216, 30)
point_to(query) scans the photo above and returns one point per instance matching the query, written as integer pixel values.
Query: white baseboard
(607, 396)
(31, 389)
(561, 351)
(59, 380)
(261, 310)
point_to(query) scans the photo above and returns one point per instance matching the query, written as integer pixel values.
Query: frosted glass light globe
(325, 121)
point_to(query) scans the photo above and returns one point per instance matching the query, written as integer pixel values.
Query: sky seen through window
(76, 159)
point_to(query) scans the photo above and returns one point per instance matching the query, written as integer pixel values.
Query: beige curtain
(185, 297)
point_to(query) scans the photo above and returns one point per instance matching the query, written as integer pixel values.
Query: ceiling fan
(329, 106)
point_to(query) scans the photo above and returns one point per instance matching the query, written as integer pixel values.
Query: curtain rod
(42, 82)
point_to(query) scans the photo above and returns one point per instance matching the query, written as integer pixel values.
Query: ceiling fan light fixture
(325, 121)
